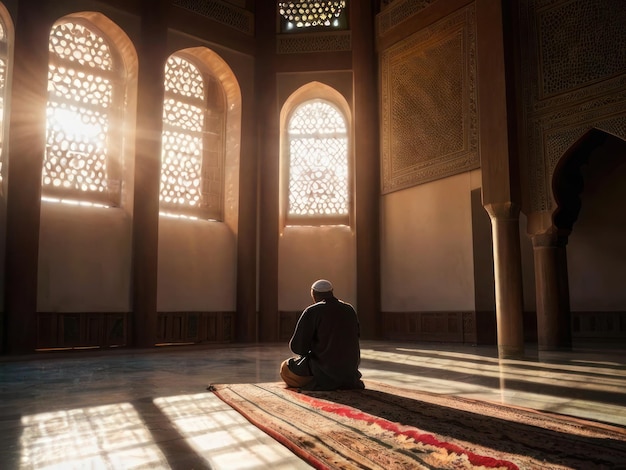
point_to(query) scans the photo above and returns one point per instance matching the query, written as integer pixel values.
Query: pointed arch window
(194, 112)
(318, 176)
(85, 98)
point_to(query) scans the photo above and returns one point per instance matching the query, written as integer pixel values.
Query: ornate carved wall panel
(398, 12)
(428, 103)
(222, 12)
(316, 42)
(574, 79)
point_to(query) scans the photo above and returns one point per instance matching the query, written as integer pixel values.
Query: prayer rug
(385, 427)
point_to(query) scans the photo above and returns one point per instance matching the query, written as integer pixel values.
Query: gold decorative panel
(429, 111)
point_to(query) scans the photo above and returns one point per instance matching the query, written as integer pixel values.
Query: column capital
(552, 238)
(503, 210)
(542, 231)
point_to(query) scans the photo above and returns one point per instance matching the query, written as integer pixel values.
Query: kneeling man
(326, 340)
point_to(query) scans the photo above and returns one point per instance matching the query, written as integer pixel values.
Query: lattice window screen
(300, 15)
(193, 136)
(318, 161)
(81, 82)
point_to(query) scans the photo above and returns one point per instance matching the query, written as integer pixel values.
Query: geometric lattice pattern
(183, 125)
(305, 14)
(429, 103)
(222, 12)
(574, 81)
(427, 109)
(334, 41)
(576, 51)
(80, 90)
(391, 17)
(318, 163)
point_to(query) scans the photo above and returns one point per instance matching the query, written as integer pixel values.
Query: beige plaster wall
(197, 266)
(310, 253)
(426, 252)
(596, 251)
(84, 259)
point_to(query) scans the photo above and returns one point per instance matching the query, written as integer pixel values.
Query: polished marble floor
(128, 409)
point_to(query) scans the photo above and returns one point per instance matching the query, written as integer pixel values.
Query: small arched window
(318, 177)
(192, 163)
(85, 100)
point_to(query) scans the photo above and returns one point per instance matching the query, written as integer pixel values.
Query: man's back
(328, 333)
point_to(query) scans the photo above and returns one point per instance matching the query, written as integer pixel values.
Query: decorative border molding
(397, 12)
(462, 26)
(558, 131)
(336, 41)
(222, 12)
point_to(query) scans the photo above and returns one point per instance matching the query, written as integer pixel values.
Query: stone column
(552, 292)
(508, 278)
(27, 137)
(367, 171)
(268, 117)
(500, 165)
(151, 76)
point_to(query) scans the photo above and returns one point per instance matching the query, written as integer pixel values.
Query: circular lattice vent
(304, 13)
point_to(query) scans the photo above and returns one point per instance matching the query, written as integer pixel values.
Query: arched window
(192, 164)
(317, 177)
(85, 101)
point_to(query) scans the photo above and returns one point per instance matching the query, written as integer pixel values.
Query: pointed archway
(588, 187)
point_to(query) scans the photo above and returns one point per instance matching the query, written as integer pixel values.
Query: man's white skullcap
(322, 285)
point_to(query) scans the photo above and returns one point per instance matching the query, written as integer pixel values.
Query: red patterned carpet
(384, 427)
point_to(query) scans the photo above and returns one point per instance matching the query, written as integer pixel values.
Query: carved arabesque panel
(395, 14)
(577, 44)
(574, 79)
(222, 12)
(315, 42)
(429, 111)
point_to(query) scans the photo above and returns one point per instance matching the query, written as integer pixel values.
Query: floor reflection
(150, 409)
